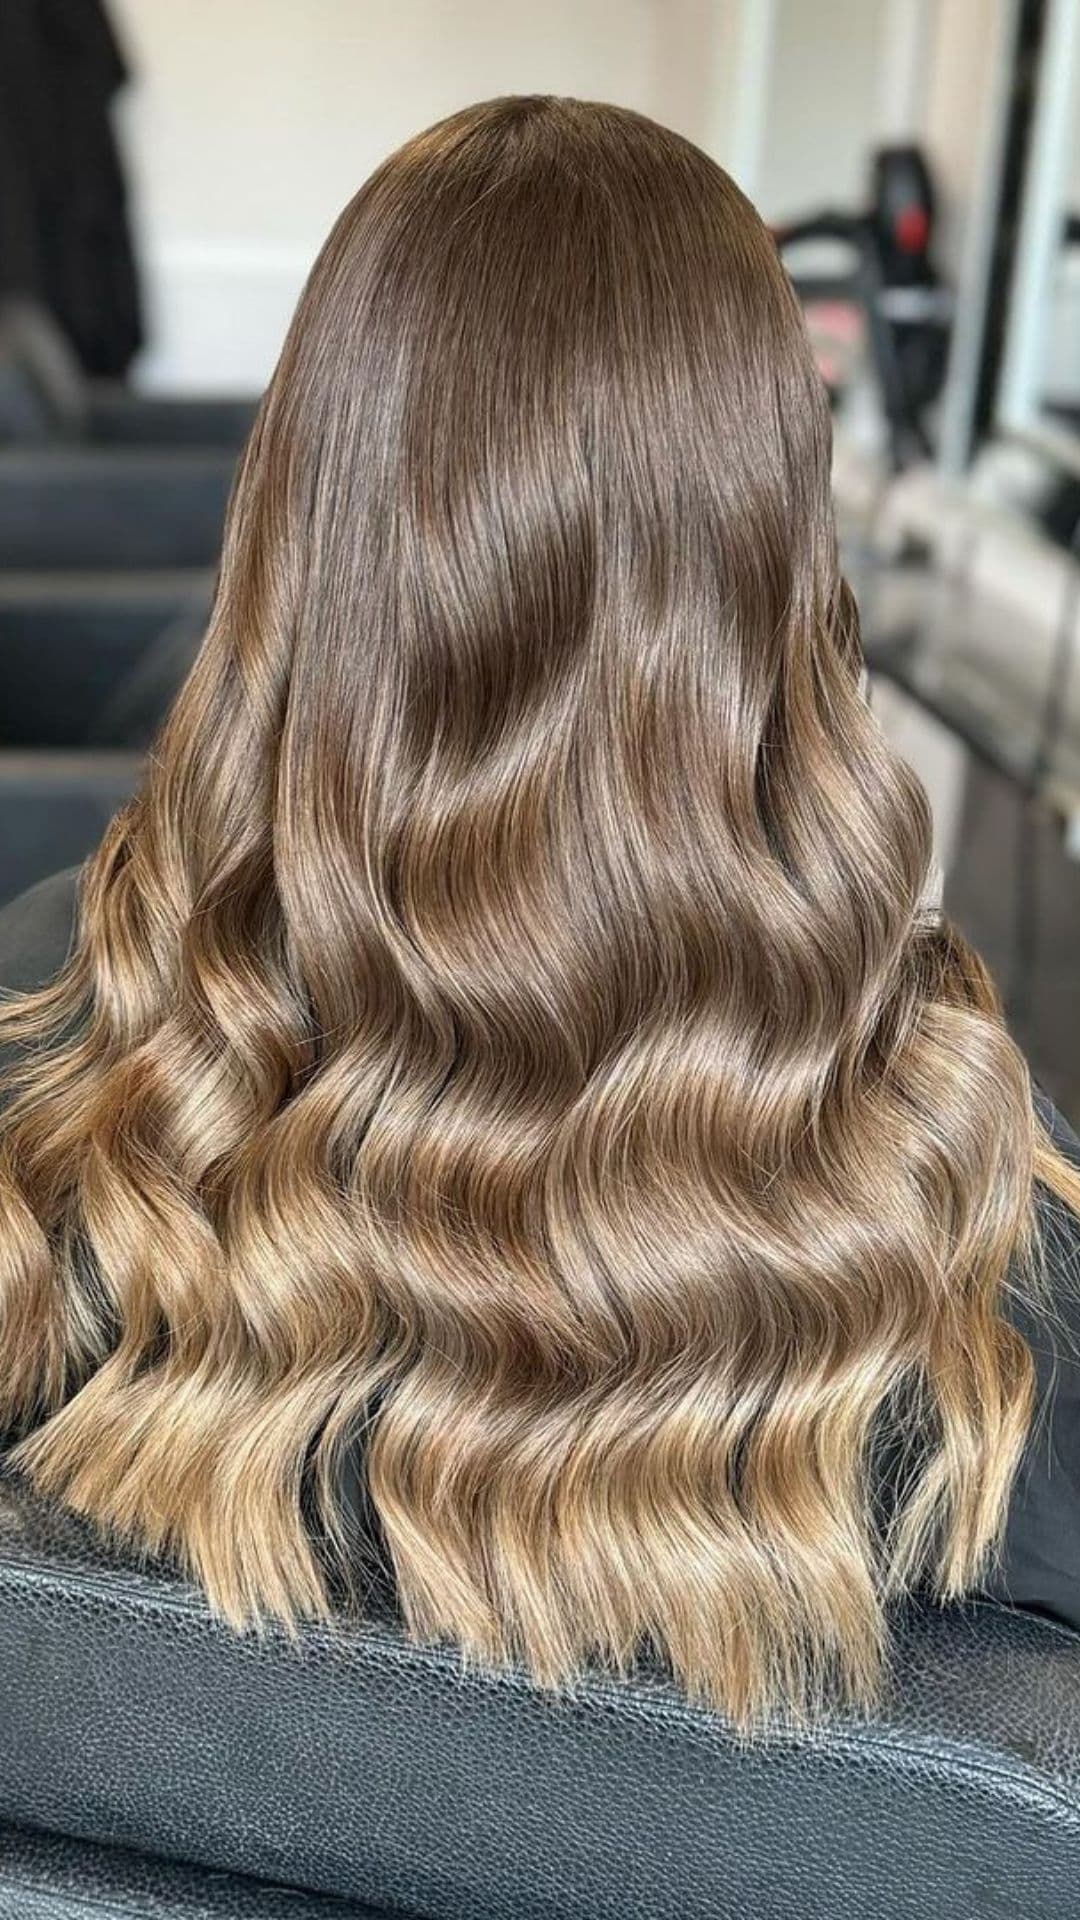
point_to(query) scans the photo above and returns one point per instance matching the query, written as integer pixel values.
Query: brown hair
(508, 1023)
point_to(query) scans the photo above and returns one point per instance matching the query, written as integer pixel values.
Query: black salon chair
(152, 1763)
(47, 400)
(88, 666)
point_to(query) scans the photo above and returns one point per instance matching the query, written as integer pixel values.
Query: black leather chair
(154, 1764)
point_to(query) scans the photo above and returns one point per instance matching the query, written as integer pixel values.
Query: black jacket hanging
(64, 236)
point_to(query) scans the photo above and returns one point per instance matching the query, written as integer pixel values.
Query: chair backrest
(352, 1764)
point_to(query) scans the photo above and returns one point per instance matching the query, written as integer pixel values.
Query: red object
(911, 229)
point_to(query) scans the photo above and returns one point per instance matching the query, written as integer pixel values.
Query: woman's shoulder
(36, 930)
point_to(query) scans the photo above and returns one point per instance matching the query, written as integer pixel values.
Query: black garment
(1039, 1566)
(64, 237)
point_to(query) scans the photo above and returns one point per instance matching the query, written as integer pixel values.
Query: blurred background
(167, 173)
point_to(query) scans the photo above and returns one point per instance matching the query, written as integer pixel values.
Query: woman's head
(546, 442)
(507, 1027)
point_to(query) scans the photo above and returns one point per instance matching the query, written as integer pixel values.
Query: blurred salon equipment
(111, 509)
(111, 501)
(967, 565)
(886, 276)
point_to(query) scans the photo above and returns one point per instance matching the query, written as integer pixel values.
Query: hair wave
(508, 1026)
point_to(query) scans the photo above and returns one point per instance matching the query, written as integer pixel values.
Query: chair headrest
(352, 1763)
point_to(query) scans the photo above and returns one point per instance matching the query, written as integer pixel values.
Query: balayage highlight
(508, 1025)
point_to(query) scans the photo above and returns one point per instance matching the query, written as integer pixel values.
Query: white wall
(251, 122)
(822, 105)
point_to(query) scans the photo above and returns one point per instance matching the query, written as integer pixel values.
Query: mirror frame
(1049, 153)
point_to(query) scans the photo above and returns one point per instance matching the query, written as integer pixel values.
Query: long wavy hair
(507, 1035)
